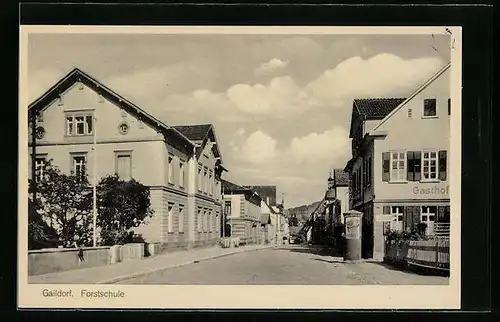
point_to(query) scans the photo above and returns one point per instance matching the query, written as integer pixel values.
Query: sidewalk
(109, 274)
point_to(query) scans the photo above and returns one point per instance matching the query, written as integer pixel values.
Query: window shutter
(449, 106)
(441, 215)
(386, 160)
(416, 216)
(442, 165)
(417, 160)
(387, 210)
(411, 165)
(407, 218)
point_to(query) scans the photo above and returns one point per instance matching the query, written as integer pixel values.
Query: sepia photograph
(238, 157)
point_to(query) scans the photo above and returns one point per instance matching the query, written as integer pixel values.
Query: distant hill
(302, 212)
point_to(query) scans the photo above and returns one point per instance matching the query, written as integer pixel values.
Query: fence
(442, 229)
(433, 253)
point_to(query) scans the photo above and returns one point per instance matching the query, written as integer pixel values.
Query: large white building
(399, 166)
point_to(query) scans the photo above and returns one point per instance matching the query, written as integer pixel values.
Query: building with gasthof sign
(399, 170)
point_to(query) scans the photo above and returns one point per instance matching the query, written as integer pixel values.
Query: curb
(115, 280)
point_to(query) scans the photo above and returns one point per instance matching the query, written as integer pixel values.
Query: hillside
(302, 212)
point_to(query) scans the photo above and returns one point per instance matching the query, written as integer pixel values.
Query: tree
(63, 202)
(40, 235)
(123, 205)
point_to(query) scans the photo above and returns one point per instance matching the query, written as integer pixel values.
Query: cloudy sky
(280, 104)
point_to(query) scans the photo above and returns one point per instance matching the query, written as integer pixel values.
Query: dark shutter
(449, 106)
(411, 165)
(386, 166)
(417, 159)
(416, 216)
(442, 165)
(441, 215)
(387, 210)
(407, 217)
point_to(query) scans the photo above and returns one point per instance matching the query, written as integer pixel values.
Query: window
(200, 182)
(79, 124)
(429, 165)
(227, 208)
(199, 220)
(205, 180)
(398, 166)
(124, 165)
(170, 169)
(205, 221)
(210, 221)
(428, 216)
(211, 183)
(397, 213)
(181, 218)
(430, 107)
(39, 166)
(182, 177)
(79, 166)
(170, 218)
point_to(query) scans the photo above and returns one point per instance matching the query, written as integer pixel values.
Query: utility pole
(33, 151)
(94, 188)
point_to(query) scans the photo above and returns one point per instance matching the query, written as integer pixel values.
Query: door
(367, 231)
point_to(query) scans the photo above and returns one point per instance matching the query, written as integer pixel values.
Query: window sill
(171, 184)
(430, 181)
(398, 182)
(181, 233)
(430, 117)
(170, 233)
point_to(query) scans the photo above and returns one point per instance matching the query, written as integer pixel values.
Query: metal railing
(442, 229)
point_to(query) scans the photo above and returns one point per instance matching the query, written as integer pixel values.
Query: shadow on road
(316, 250)
(424, 271)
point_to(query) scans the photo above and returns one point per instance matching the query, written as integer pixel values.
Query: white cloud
(271, 66)
(281, 96)
(322, 147)
(384, 75)
(258, 148)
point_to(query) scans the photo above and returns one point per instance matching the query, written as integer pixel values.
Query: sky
(280, 104)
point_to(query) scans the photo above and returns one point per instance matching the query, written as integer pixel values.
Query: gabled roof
(77, 75)
(196, 132)
(371, 109)
(199, 134)
(229, 187)
(375, 108)
(264, 192)
(415, 93)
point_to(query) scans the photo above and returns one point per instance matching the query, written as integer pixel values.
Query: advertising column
(353, 222)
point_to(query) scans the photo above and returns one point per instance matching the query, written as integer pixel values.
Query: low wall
(53, 260)
(433, 253)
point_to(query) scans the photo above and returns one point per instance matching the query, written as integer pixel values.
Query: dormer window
(430, 107)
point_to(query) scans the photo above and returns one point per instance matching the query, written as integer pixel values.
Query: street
(291, 264)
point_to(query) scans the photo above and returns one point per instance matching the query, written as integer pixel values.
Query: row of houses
(398, 173)
(86, 128)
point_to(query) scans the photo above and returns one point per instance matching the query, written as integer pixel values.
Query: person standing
(77, 244)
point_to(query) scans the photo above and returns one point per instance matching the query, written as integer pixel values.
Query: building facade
(242, 213)
(399, 166)
(88, 129)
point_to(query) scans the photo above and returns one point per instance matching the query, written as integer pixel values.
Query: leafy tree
(40, 234)
(62, 200)
(123, 205)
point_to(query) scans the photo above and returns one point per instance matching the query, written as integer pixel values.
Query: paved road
(288, 265)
